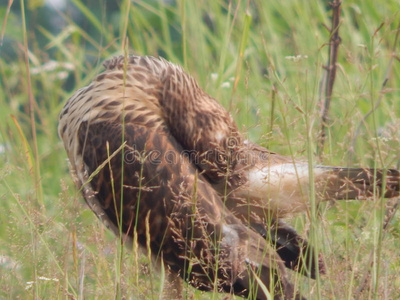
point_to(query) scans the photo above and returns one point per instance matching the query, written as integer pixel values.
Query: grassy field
(264, 61)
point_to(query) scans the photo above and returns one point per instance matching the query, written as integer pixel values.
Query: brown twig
(334, 42)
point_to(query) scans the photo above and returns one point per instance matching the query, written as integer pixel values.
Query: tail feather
(357, 183)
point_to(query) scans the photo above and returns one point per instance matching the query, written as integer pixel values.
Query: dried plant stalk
(334, 42)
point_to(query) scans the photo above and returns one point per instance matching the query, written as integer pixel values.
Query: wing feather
(130, 168)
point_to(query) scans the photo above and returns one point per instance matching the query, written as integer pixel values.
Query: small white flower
(51, 66)
(226, 85)
(68, 66)
(62, 75)
(214, 76)
(47, 279)
(296, 58)
(29, 284)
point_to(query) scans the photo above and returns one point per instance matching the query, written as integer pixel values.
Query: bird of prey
(151, 151)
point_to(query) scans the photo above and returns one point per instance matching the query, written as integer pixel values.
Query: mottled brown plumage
(144, 140)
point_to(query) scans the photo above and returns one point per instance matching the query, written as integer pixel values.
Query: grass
(243, 53)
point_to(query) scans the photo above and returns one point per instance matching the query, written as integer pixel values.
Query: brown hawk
(146, 144)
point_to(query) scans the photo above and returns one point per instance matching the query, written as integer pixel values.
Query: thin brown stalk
(334, 42)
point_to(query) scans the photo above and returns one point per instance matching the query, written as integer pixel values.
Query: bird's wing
(211, 140)
(257, 185)
(134, 177)
(200, 124)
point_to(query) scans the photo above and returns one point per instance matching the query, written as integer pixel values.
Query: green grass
(239, 53)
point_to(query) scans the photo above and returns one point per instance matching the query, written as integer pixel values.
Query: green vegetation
(263, 60)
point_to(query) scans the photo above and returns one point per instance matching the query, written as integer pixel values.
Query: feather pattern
(143, 139)
(129, 164)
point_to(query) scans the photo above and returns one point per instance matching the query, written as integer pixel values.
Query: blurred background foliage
(263, 60)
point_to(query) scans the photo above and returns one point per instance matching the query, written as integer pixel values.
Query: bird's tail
(335, 183)
(284, 188)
